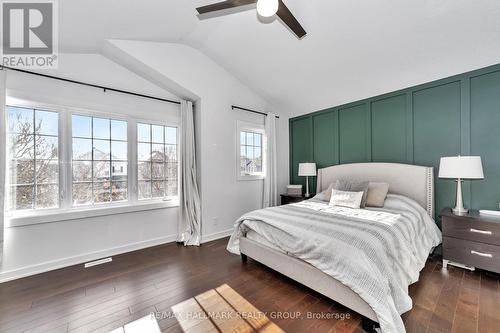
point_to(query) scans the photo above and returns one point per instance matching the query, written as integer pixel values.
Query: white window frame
(69, 163)
(136, 171)
(255, 128)
(66, 210)
(39, 107)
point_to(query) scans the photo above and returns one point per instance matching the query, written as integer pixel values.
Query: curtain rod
(245, 109)
(90, 85)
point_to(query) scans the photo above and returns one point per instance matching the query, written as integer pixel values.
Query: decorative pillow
(346, 199)
(377, 192)
(326, 194)
(320, 196)
(353, 186)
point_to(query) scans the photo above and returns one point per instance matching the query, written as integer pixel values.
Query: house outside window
(100, 160)
(250, 153)
(157, 161)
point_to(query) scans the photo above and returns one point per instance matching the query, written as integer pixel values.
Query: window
(99, 160)
(33, 158)
(65, 161)
(157, 167)
(251, 157)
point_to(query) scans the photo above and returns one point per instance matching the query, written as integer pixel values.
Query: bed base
(244, 258)
(309, 276)
(369, 325)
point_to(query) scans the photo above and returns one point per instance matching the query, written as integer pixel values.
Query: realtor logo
(29, 34)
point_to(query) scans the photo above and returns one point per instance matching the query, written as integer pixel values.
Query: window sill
(250, 177)
(19, 220)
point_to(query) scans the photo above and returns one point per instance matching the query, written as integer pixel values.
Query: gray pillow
(326, 194)
(377, 192)
(353, 186)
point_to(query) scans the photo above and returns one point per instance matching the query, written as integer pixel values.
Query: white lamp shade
(307, 169)
(464, 167)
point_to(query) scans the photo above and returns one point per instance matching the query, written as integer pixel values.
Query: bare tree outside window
(33, 161)
(157, 161)
(100, 160)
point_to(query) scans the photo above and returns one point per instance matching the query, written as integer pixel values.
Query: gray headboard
(413, 181)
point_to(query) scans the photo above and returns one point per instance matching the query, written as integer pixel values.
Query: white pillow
(346, 199)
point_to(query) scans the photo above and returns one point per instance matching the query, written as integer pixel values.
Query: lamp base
(307, 187)
(460, 211)
(459, 208)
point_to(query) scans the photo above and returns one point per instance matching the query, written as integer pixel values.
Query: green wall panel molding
(301, 143)
(485, 138)
(436, 126)
(388, 125)
(325, 130)
(353, 134)
(417, 125)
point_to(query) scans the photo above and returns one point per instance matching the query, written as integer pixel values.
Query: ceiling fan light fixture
(267, 8)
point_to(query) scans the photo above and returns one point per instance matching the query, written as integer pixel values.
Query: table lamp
(306, 170)
(461, 167)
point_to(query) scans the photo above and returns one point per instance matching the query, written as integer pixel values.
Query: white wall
(36, 248)
(186, 71)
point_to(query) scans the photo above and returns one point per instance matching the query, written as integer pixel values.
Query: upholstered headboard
(413, 181)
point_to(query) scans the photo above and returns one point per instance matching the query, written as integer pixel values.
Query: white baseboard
(83, 258)
(216, 235)
(80, 259)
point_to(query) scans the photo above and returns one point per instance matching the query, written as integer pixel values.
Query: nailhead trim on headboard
(430, 201)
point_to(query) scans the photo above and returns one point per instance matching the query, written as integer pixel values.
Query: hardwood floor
(106, 297)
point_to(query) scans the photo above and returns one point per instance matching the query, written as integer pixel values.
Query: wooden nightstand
(288, 199)
(471, 240)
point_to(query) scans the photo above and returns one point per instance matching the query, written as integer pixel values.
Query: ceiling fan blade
(287, 17)
(224, 5)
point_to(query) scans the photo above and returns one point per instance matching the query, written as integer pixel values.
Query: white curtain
(270, 197)
(189, 231)
(3, 148)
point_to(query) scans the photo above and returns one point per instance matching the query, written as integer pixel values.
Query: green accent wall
(353, 134)
(301, 146)
(389, 129)
(325, 155)
(417, 125)
(485, 137)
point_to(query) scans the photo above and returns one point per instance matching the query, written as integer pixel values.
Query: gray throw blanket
(377, 252)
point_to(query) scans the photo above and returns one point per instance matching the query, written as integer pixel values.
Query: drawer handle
(484, 232)
(488, 255)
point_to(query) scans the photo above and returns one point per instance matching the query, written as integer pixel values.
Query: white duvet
(377, 252)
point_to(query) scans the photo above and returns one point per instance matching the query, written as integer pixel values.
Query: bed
(308, 241)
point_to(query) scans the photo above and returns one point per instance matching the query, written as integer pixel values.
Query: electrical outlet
(215, 220)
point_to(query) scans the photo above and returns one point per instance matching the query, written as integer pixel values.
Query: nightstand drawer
(471, 229)
(479, 255)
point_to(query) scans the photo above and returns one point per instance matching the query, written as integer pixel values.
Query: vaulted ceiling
(354, 48)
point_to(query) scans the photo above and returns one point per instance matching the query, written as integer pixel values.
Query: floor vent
(98, 262)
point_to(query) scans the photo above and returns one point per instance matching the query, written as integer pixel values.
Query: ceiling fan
(265, 8)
